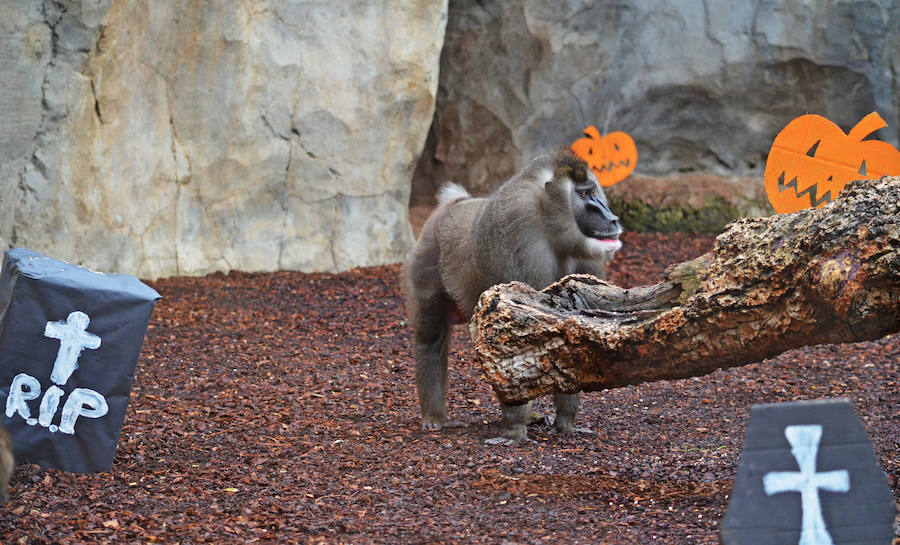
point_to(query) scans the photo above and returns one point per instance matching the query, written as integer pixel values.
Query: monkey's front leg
(515, 425)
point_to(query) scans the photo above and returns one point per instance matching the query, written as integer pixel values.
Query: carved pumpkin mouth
(811, 192)
(610, 165)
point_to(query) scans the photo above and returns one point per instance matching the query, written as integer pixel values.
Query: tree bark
(827, 275)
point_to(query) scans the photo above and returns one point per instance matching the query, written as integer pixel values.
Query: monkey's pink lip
(607, 244)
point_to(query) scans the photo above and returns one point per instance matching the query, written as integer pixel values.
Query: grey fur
(525, 231)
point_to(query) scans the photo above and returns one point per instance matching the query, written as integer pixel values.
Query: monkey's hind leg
(432, 343)
(566, 411)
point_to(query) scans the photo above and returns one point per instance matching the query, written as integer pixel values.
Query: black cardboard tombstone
(69, 344)
(808, 476)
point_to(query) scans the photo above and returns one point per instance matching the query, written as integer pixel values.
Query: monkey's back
(470, 244)
(494, 240)
(460, 272)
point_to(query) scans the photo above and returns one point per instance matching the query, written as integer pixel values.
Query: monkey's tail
(451, 192)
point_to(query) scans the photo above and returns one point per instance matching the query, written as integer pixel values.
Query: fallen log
(827, 275)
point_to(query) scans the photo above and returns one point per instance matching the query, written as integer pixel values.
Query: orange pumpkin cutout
(612, 157)
(811, 161)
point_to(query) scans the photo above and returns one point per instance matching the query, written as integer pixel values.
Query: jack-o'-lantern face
(612, 157)
(812, 159)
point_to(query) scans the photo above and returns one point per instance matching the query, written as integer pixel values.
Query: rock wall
(170, 138)
(180, 137)
(701, 85)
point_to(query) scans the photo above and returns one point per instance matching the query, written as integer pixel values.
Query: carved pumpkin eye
(862, 168)
(812, 151)
(616, 146)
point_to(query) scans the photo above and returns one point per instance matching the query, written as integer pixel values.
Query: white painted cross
(804, 442)
(73, 338)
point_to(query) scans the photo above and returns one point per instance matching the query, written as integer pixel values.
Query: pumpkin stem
(867, 126)
(592, 132)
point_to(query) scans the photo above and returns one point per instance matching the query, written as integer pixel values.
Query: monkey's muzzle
(606, 243)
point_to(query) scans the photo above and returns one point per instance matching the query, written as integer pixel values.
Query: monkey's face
(594, 218)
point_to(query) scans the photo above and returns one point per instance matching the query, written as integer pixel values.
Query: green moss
(711, 217)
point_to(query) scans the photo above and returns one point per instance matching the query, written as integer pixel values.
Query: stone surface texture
(701, 85)
(180, 138)
(184, 137)
(691, 202)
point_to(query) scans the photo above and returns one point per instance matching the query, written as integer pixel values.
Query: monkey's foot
(455, 424)
(507, 442)
(557, 428)
(512, 435)
(435, 425)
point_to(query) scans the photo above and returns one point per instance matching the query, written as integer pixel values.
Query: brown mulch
(279, 408)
